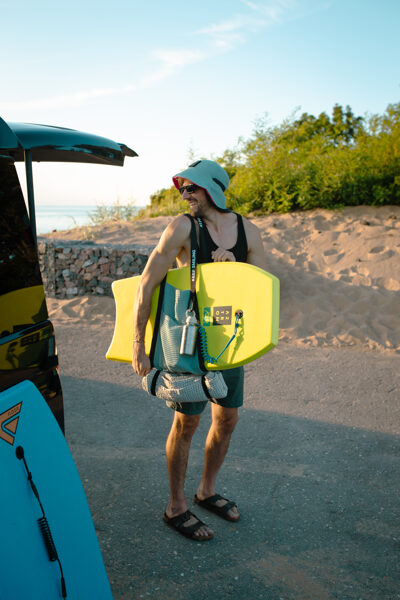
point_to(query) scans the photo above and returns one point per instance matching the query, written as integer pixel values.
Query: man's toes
(204, 532)
(233, 512)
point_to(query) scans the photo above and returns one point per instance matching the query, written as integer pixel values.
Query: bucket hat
(210, 176)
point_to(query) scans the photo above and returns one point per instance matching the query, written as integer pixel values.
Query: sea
(62, 217)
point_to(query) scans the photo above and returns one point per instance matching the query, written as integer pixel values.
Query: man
(223, 236)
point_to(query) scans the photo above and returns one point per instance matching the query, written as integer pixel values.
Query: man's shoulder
(178, 230)
(180, 224)
(250, 228)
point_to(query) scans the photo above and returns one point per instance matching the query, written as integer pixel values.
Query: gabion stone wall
(80, 269)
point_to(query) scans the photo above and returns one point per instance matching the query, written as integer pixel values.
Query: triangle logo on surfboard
(9, 423)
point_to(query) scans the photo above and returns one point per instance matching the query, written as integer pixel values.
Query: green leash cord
(203, 340)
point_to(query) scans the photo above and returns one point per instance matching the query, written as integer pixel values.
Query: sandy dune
(339, 273)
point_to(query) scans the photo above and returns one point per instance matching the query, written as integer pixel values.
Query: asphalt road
(313, 467)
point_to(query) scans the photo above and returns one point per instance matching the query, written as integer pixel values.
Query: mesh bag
(170, 321)
(185, 388)
(172, 318)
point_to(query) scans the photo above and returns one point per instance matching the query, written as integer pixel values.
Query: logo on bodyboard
(221, 315)
(9, 423)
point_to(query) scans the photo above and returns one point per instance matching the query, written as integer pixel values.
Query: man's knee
(185, 425)
(226, 420)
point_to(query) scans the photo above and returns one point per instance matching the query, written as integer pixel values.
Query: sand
(339, 273)
(318, 437)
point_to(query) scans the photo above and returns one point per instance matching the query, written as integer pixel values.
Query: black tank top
(207, 244)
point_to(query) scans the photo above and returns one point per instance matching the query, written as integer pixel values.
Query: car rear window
(19, 266)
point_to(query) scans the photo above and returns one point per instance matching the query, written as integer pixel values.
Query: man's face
(197, 200)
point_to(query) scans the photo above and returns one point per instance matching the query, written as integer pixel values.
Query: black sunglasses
(190, 189)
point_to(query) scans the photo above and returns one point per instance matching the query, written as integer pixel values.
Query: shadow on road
(319, 500)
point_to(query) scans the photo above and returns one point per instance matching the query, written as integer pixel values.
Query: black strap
(157, 320)
(192, 304)
(154, 382)
(205, 388)
(194, 249)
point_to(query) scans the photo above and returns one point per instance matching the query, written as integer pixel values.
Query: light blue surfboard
(28, 428)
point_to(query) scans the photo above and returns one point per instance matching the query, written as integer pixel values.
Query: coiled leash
(43, 523)
(193, 311)
(203, 340)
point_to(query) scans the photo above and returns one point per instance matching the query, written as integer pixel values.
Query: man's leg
(223, 423)
(177, 452)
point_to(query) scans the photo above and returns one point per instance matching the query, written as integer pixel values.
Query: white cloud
(237, 23)
(229, 33)
(171, 62)
(222, 36)
(272, 11)
(176, 59)
(65, 100)
(168, 62)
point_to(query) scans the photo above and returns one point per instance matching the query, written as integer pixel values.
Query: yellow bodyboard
(222, 289)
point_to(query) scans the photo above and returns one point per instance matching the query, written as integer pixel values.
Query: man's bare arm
(170, 245)
(256, 251)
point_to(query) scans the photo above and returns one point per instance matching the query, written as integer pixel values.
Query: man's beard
(194, 210)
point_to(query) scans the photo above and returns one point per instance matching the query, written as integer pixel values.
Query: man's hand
(221, 255)
(140, 361)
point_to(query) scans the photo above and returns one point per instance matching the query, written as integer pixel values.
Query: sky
(178, 80)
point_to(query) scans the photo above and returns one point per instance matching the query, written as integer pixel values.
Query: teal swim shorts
(234, 379)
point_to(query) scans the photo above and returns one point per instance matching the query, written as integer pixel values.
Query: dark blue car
(27, 342)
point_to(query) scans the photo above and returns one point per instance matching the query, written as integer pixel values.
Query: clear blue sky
(177, 78)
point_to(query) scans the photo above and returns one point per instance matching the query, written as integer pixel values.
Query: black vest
(207, 244)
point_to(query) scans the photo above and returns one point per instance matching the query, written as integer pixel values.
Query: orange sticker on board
(9, 423)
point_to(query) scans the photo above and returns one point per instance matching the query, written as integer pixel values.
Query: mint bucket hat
(210, 176)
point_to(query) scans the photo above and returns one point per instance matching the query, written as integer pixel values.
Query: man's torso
(232, 237)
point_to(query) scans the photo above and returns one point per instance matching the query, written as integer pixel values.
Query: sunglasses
(190, 189)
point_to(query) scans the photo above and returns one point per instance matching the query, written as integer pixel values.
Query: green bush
(303, 163)
(164, 202)
(319, 162)
(117, 212)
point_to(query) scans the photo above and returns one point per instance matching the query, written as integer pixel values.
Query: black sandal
(222, 511)
(188, 531)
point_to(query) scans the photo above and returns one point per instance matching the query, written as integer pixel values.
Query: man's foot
(220, 506)
(190, 526)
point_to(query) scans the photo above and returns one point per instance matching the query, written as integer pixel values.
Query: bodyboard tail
(55, 524)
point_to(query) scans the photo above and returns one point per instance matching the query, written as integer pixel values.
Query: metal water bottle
(189, 334)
